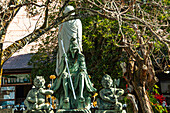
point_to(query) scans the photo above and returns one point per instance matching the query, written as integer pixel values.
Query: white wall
(20, 27)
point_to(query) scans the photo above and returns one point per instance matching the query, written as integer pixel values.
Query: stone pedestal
(39, 111)
(6, 111)
(110, 111)
(73, 111)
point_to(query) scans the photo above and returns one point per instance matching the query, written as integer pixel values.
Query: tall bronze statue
(72, 86)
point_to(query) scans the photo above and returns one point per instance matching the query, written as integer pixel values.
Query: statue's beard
(73, 52)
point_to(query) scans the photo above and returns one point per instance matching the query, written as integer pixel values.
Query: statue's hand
(106, 98)
(120, 92)
(30, 99)
(41, 100)
(41, 90)
(64, 55)
(46, 92)
(35, 106)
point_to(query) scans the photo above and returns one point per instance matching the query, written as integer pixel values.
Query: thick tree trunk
(143, 98)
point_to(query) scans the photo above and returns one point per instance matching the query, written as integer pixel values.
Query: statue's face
(107, 83)
(39, 82)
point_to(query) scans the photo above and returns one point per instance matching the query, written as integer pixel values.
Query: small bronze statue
(36, 97)
(108, 101)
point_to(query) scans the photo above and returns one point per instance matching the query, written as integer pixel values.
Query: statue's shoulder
(32, 92)
(78, 22)
(102, 92)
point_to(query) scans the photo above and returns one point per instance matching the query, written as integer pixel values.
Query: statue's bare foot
(81, 103)
(66, 103)
(66, 99)
(82, 99)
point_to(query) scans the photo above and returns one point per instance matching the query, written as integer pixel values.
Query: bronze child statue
(109, 95)
(36, 97)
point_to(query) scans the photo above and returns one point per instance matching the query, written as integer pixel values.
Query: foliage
(157, 100)
(102, 56)
(44, 59)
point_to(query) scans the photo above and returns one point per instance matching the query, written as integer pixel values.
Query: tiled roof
(18, 62)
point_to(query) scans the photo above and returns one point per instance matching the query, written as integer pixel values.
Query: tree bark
(142, 97)
(1, 75)
(1, 70)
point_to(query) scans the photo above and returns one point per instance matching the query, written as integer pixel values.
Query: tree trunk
(1, 75)
(1, 45)
(142, 97)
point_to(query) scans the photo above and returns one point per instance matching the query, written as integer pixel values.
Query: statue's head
(39, 82)
(73, 46)
(68, 9)
(107, 81)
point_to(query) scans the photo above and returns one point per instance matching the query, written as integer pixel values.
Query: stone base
(39, 111)
(73, 111)
(110, 111)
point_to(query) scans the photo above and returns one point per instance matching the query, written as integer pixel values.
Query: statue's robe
(78, 70)
(68, 30)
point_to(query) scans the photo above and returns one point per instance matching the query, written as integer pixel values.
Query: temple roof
(18, 62)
